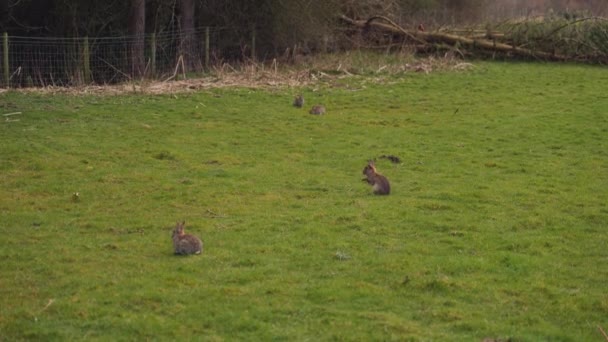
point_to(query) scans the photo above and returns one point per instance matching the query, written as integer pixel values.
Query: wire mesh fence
(48, 61)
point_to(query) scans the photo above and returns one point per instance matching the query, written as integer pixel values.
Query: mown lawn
(496, 226)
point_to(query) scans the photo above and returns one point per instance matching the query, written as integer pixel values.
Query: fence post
(86, 58)
(207, 48)
(5, 59)
(153, 54)
(253, 43)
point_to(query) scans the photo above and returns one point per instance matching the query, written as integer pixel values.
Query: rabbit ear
(371, 165)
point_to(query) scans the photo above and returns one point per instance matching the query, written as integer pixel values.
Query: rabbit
(379, 183)
(298, 101)
(392, 158)
(185, 243)
(317, 110)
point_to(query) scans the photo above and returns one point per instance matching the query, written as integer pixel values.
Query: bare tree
(3, 15)
(186, 26)
(137, 27)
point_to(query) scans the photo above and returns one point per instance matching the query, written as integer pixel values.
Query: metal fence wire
(48, 61)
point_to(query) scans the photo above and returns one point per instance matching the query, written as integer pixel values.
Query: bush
(583, 39)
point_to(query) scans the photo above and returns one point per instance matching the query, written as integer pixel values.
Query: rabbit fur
(379, 183)
(317, 110)
(185, 243)
(298, 101)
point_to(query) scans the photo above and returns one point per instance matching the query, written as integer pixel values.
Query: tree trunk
(137, 29)
(187, 39)
(3, 15)
(426, 38)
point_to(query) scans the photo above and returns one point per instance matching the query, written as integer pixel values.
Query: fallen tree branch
(451, 39)
(603, 332)
(369, 21)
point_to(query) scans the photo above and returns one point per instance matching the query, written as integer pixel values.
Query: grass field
(496, 226)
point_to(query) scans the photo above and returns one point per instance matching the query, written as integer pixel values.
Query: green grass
(496, 226)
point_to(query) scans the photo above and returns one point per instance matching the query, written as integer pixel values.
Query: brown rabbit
(185, 243)
(379, 183)
(317, 110)
(298, 101)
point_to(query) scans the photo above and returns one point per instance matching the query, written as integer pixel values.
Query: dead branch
(115, 69)
(369, 21)
(180, 61)
(603, 332)
(453, 40)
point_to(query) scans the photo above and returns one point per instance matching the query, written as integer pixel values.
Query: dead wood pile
(476, 42)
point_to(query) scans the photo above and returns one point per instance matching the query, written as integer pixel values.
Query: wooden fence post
(153, 54)
(207, 48)
(5, 59)
(86, 59)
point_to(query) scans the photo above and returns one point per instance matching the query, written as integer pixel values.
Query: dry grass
(306, 71)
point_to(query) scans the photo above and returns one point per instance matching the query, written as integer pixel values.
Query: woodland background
(280, 23)
(66, 42)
